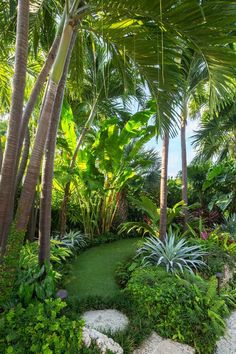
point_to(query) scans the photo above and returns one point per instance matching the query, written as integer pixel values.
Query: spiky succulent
(73, 240)
(172, 253)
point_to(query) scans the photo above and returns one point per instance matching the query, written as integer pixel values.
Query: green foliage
(72, 240)
(175, 255)
(35, 281)
(229, 225)
(223, 240)
(104, 168)
(187, 310)
(221, 181)
(150, 225)
(39, 328)
(9, 265)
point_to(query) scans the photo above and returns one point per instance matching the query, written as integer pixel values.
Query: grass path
(92, 273)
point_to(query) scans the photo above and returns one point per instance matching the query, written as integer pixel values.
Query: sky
(174, 165)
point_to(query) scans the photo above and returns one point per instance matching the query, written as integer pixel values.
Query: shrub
(230, 226)
(34, 281)
(175, 255)
(188, 310)
(39, 328)
(73, 240)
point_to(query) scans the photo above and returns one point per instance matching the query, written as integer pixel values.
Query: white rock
(102, 341)
(158, 345)
(106, 320)
(227, 344)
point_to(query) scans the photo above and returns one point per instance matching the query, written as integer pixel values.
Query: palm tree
(48, 166)
(163, 187)
(211, 145)
(8, 170)
(194, 71)
(33, 171)
(104, 102)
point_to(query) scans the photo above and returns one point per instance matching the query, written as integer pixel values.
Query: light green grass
(92, 273)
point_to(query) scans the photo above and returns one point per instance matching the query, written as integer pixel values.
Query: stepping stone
(106, 320)
(158, 345)
(103, 342)
(227, 344)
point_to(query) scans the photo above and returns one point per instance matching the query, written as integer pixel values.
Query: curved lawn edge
(92, 273)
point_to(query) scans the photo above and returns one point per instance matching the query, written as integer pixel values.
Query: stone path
(112, 321)
(158, 345)
(106, 320)
(227, 344)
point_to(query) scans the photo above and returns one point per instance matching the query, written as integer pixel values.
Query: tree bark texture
(24, 159)
(36, 91)
(48, 166)
(163, 187)
(33, 171)
(184, 162)
(8, 172)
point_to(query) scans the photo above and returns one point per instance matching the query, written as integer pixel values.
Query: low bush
(35, 281)
(39, 328)
(188, 310)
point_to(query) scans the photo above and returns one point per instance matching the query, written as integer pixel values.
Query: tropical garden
(90, 219)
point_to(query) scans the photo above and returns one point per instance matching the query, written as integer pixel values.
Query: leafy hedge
(187, 310)
(39, 328)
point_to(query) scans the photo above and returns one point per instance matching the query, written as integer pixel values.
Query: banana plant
(103, 169)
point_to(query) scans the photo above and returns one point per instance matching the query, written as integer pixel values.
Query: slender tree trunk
(38, 86)
(33, 220)
(63, 211)
(1, 154)
(24, 159)
(184, 161)
(7, 182)
(163, 187)
(27, 195)
(48, 166)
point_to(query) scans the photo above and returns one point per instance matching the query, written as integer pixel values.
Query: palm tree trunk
(163, 187)
(8, 171)
(63, 211)
(48, 166)
(184, 161)
(1, 154)
(27, 195)
(39, 85)
(24, 159)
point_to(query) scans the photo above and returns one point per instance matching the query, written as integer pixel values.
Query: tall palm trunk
(36, 91)
(27, 195)
(8, 172)
(184, 160)
(24, 159)
(1, 154)
(163, 186)
(63, 218)
(48, 166)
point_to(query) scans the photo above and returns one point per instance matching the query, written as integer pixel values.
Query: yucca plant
(175, 255)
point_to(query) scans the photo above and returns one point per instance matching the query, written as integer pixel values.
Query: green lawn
(92, 273)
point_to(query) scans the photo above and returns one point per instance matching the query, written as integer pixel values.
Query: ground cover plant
(93, 273)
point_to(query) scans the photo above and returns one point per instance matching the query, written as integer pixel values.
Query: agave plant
(73, 240)
(176, 255)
